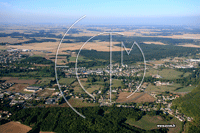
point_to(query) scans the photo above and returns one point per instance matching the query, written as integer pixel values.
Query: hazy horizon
(180, 12)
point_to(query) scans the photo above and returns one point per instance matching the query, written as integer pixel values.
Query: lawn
(150, 122)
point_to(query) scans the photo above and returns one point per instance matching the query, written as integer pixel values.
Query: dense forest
(189, 105)
(98, 119)
(150, 51)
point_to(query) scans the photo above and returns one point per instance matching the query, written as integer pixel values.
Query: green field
(116, 83)
(186, 74)
(76, 86)
(43, 81)
(93, 88)
(66, 81)
(167, 73)
(46, 80)
(78, 103)
(171, 88)
(80, 58)
(185, 89)
(150, 122)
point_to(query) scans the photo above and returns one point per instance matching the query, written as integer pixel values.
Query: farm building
(32, 89)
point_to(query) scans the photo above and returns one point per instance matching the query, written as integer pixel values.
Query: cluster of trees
(6, 106)
(88, 64)
(192, 79)
(37, 60)
(46, 71)
(98, 119)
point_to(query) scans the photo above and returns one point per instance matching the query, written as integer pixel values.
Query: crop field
(137, 97)
(52, 46)
(93, 88)
(150, 122)
(18, 81)
(66, 81)
(171, 88)
(18, 88)
(167, 73)
(45, 93)
(78, 103)
(44, 81)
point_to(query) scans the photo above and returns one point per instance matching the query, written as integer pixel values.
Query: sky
(116, 12)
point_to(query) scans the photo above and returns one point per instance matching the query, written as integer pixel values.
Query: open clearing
(14, 127)
(150, 122)
(137, 97)
(17, 87)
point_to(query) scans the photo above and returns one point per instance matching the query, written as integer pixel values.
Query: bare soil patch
(20, 81)
(137, 97)
(14, 127)
(17, 87)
